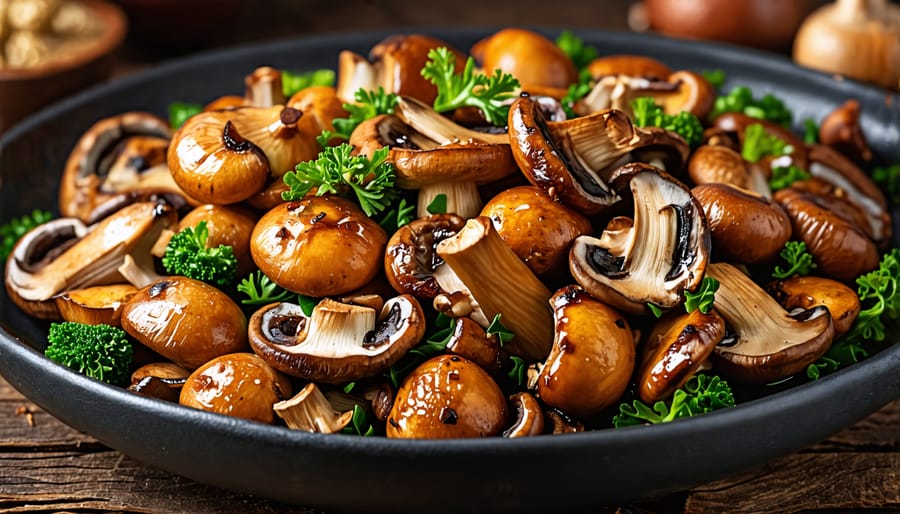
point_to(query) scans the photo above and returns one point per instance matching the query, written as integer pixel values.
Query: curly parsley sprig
(574, 47)
(704, 298)
(368, 104)
(799, 261)
(187, 254)
(292, 82)
(14, 229)
(469, 89)
(701, 394)
(758, 143)
(647, 113)
(339, 172)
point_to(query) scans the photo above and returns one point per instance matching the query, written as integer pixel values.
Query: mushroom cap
(320, 106)
(529, 418)
(530, 57)
(592, 357)
(841, 130)
(468, 339)
(766, 343)
(240, 385)
(539, 230)
(318, 246)
(840, 250)
(628, 65)
(338, 342)
(675, 349)
(229, 225)
(95, 305)
(187, 321)
(810, 292)
(745, 227)
(447, 397)
(663, 255)
(716, 164)
(411, 259)
(161, 380)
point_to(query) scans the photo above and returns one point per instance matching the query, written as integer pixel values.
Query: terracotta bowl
(23, 91)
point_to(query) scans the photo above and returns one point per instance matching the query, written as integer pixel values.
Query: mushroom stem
(501, 283)
(462, 198)
(332, 323)
(310, 411)
(438, 128)
(263, 87)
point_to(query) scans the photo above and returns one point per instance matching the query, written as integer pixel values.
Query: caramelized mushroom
(411, 262)
(310, 411)
(318, 246)
(469, 340)
(95, 305)
(529, 418)
(162, 380)
(539, 64)
(810, 292)
(592, 357)
(841, 130)
(447, 397)
(240, 385)
(628, 65)
(719, 164)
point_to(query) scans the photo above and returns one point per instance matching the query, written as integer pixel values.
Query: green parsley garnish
(799, 261)
(260, 290)
(701, 394)
(292, 83)
(704, 297)
(438, 205)
(740, 99)
(336, 171)
(519, 371)
(187, 255)
(496, 328)
(784, 176)
(810, 131)
(398, 215)
(359, 423)
(758, 143)
(14, 229)
(888, 177)
(716, 78)
(179, 112)
(647, 113)
(469, 89)
(368, 104)
(573, 46)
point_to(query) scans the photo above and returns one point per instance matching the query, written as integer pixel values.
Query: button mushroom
(337, 343)
(118, 159)
(539, 230)
(592, 358)
(539, 64)
(809, 292)
(628, 65)
(765, 343)
(674, 351)
(573, 160)
(187, 321)
(64, 254)
(468, 339)
(745, 227)
(239, 384)
(447, 397)
(663, 255)
(719, 164)
(318, 246)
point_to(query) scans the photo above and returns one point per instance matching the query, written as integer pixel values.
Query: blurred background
(50, 49)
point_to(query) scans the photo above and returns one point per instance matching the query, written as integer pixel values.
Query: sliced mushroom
(840, 250)
(63, 254)
(573, 160)
(95, 305)
(765, 343)
(501, 283)
(411, 260)
(745, 227)
(681, 91)
(675, 350)
(337, 343)
(239, 384)
(162, 380)
(665, 253)
(809, 292)
(469, 340)
(592, 358)
(395, 64)
(529, 418)
(539, 230)
(310, 411)
(841, 130)
(447, 397)
(119, 159)
(318, 246)
(539, 64)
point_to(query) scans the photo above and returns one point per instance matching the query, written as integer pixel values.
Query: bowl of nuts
(52, 48)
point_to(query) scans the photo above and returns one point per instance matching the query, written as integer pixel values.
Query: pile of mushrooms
(567, 232)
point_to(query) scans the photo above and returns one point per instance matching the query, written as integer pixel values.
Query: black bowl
(548, 472)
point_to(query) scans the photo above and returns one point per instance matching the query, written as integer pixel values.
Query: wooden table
(48, 467)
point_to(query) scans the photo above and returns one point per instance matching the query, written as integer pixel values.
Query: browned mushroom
(529, 418)
(239, 384)
(539, 64)
(337, 342)
(95, 305)
(719, 164)
(447, 397)
(841, 130)
(310, 411)
(809, 292)
(295, 245)
(628, 65)
(187, 321)
(411, 262)
(162, 380)
(468, 339)
(592, 358)
(745, 227)
(765, 343)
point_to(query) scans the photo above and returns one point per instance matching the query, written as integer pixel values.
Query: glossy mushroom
(745, 227)
(318, 246)
(338, 342)
(310, 411)
(468, 339)
(95, 305)
(573, 160)
(765, 343)
(592, 358)
(539, 230)
(628, 65)
(720, 164)
(411, 262)
(539, 64)
(529, 418)
(841, 130)
(663, 255)
(447, 397)
(239, 384)
(162, 380)
(810, 292)
(187, 321)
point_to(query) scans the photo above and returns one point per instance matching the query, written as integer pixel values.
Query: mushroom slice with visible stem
(262, 88)
(529, 418)
(678, 92)
(501, 284)
(337, 343)
(572, 160)
(310, 411)
(119, 159)
(765, 343)
(665, 252)
(809, 292)
(64, 254)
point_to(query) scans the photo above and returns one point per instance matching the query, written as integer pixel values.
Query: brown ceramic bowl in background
(25, 90)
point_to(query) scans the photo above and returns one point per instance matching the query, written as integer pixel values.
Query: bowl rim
(115, 25)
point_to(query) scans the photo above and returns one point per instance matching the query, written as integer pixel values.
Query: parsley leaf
(647, 113)
(657, 312)
(573, 46)
(784, 176)
(704, 297)
(359, 423)
(399, 214)
(740, 99)
(292, 82)
(701, 394)
(496, 328)
(576, 92)
(716, 78)
(260, 290)
(368, 104)
(337, 171)
(519, 371)
(14, 229)
(187, 254)
(798, 259)
(810, 131)
(438, 205)
(758, 143)
(469, 89)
